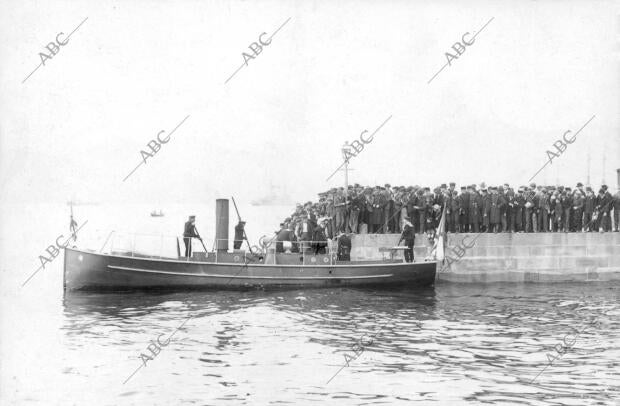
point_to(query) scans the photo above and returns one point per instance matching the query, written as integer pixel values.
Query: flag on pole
(439, 245)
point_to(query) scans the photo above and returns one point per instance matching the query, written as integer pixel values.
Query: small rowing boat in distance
(90, 270)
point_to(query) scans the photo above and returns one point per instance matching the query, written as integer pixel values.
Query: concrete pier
(506, 257)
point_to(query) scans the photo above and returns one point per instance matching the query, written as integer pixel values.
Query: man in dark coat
(319, 240)
(408, 235)
(283, 235)
(588, 209)
(530, 207)
(616, 206)
(344, 247)
(495, 211)
(567, 207)
(463, 202)
(605, 201)
(239, 235)
(578, 203)
(544, 208)
(452, 211)
(486, 210)
(189, 232)
(520, 210)
(475, 204)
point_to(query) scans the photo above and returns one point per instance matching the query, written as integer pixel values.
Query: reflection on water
(454, 344)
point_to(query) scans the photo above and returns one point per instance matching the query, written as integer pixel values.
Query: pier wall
(506, 257)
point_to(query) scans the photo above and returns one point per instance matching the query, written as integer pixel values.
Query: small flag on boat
(73, 224)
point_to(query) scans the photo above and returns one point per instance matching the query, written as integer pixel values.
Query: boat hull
(84, 270)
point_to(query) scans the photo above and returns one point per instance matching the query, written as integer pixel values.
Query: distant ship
(154, 213)
(276, 197)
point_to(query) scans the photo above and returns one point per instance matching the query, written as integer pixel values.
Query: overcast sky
(75, 128)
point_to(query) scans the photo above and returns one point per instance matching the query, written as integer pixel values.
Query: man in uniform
(344, 247)
(604, 202)
(616, 206)
(452, 211)
(474, 209)
(354, 211)
(544, 209)
(567, 206)
(408, 235)
(486, 209)
(588, 209)
(239, 235)
(189, 232)
(463, 203)
(578, 202)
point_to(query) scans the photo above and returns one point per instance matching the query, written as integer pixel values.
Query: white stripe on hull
(249, 277)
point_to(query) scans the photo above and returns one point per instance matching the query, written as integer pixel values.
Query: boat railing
(167, 246)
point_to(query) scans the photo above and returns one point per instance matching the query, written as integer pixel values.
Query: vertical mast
(588, 178)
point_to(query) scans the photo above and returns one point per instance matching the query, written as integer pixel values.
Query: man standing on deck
(239, 235)
(188, 233)
(408, 235)
(344, 247)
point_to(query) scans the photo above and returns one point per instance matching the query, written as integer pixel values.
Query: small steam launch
(121, 269)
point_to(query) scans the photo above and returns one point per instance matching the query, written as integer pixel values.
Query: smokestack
(221, 224)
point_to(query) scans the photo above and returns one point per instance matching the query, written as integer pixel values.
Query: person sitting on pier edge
(188, 233)
(344, 247)
(408, 235)
(239, 235)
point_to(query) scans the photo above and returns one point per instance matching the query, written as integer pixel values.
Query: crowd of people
(385, 209)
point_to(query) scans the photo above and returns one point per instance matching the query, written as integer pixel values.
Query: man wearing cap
(319, 239)
(355, 208)
(189, 232)
(530, 216)
(604, 202)
(463, 203)
(588, 209)
(503, 208)
(239, 235)
(344, 247)
(578, 202)
(567, 206)
(388, 208)
(475, 203)
(340, 206)
(408, 235)
(556, 211)
(616, 206)
(519, 207)
(544, 208)
(452, 211)
(486, 210)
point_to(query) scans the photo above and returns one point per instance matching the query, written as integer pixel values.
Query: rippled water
(454, 344)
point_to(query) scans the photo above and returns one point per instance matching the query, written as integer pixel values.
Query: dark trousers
(188, 246)
(237, 244)
(587, 221)
(409, 252)
(543, 221)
